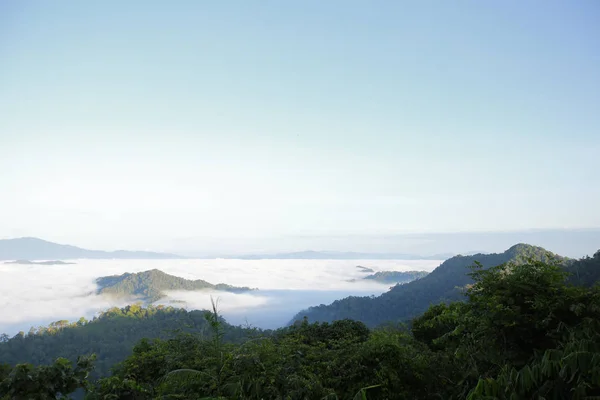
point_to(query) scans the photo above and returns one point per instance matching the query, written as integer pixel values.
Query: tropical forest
(523, 324)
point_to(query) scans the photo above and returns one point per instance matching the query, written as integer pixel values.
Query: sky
(170, 125)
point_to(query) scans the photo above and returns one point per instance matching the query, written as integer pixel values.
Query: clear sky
(150, 124)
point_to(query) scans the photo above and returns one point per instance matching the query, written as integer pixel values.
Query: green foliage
(404, 302)
(523, 332)
(437, 322)
(516, 308)
(111, 336)
(572, 370)
(338, 333)
(308, 361)
(585, 272)
(150, 286)
(25, 381)
(396, 276)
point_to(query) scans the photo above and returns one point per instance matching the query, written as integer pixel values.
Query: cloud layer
(34, 295)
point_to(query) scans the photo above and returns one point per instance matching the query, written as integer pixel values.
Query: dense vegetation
(586, 271)
(150, 286)
(525, 332)
(396, 276)
(111, 336)
(403, 302)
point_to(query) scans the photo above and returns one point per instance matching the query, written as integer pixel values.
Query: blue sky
(150, 124)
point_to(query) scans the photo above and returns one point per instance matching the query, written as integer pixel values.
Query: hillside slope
(396, 276)
(586, 271)
(111, 335)
(510, 325)
(404, 302)
(150, 286)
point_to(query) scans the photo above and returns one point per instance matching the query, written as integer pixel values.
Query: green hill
(149, 286)
(396, 276)
(406, 301)
(520, 331)
(27, 262)
(586, 271)
(111, 336)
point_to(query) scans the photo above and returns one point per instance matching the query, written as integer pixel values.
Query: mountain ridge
(339, 255)
(29, 262)
(30, 248)
(406, 301)
(150, 285)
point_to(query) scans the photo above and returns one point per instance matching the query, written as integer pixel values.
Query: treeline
(525, 332)
(444, 284)
(396, 276)
(111, 336)
(150, 286)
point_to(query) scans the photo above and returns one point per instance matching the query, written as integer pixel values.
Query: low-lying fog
(35, 295)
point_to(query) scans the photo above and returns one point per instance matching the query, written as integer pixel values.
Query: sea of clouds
(35, 295)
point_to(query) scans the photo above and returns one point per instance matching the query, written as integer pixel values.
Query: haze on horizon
(341, 125)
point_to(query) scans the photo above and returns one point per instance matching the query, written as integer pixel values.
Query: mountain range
(29, 248)
(406, 301)
(112, 334)
(341, 255)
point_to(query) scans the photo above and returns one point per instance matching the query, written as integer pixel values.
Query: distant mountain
(149, 286)
(337, 255)
(38, 249)
(27, 262)
(396, 276)
(404, 302)
(364, 269)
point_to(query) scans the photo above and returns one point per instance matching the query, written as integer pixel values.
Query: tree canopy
(524, 330)
(396, 276)
(406, 301)
(149, 286)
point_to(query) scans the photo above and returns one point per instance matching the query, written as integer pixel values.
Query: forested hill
(151, 285)
(409, 300)
(110, 336)
(396, 276)
(520, 332)
(586, 271)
